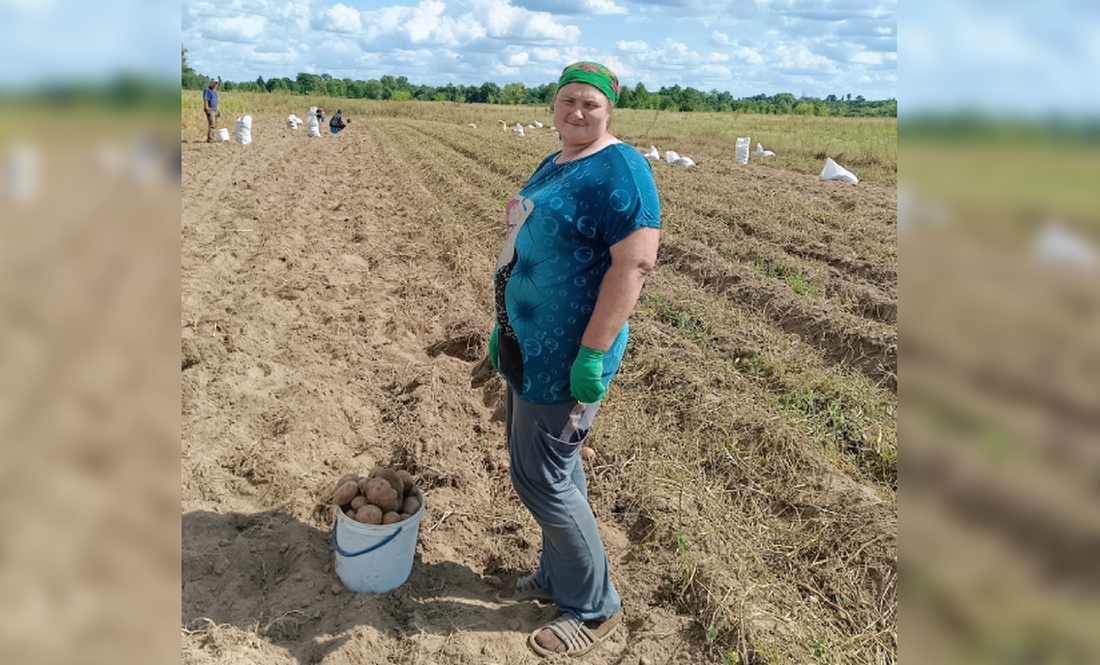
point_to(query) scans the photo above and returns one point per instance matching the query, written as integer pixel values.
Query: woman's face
(581, 113)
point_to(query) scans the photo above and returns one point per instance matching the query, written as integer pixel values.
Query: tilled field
(336, 307)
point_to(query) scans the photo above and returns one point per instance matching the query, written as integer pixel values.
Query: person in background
(337, 123)
(210, 106)
(581, 236)
(320, 114)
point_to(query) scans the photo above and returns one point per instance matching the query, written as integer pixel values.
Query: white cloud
(671, 55)
(424, 25)
(294, 11)
(885, 9)
(505, 22)
(573, 7)
(280, 59)
(605, 7)
(518, 59)
(748, 56)
(675, 46)
(720, 38)
(798, 57)
(546, 55)
(714, 73)
(633, 47)
(543, 27)
(384, 21)
(244, 29)
(868, 58)
(340, 18)
(717, 57)
(457, 31)
(425, 21)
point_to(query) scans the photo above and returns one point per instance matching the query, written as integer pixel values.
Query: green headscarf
(594, 74)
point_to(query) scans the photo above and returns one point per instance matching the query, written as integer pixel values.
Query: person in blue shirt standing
(581, 236)
(210, 105)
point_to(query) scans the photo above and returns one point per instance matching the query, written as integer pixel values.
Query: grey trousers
(544, 443)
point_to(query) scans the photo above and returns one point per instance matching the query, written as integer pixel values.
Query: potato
(366, 483)
(391, 518)
(350, 513)
(405, 516)
(410, 505)
(354, 477)
(359, 501)
(345, 493)
(380, 493)
(408, 480)
(391, 477)
(588, 454)
(369, 514)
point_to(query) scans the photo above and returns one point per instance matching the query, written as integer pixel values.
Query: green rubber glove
(586, 376)
(493, 349)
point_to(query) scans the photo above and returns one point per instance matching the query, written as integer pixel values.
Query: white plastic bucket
(375, 558)
(223, 134)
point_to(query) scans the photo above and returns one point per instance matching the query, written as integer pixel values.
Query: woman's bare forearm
(631, 261)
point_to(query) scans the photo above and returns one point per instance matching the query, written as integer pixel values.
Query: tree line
(672, 98)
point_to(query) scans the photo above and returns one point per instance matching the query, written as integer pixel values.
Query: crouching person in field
(337, 123)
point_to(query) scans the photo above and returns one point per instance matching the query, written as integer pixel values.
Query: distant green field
(865, 146)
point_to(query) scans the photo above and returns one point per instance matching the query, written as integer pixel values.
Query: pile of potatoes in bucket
(383, 497)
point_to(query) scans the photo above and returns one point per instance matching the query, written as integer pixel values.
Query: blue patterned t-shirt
(560, 229)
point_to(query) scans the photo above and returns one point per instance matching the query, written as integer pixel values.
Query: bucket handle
(341, 552)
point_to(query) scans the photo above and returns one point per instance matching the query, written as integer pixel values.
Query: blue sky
(745, 47)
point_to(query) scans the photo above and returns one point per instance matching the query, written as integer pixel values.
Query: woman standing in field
(581, 236)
